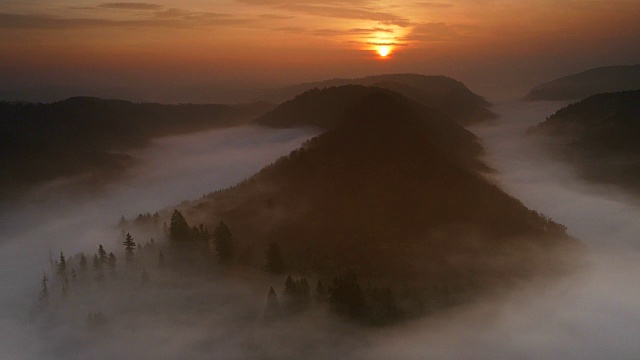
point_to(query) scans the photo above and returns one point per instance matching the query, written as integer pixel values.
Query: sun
(384, 50)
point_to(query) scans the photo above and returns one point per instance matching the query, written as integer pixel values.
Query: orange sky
(517, 43)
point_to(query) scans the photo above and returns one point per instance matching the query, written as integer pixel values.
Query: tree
(129, 247)
(102, 254)
(111, 262)
(74, 276)
(275, 265)
(383, 307)
(122, 223)
(179, 231)
(96, 263)
(44, 292)
(83, 262)
(223, 241)
(272, 312)
(62, 266)
(346, 296)
(296, 294)
(97, 267)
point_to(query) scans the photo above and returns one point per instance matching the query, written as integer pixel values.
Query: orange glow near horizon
(282, 41)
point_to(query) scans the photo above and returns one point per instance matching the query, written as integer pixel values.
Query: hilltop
(450, 96)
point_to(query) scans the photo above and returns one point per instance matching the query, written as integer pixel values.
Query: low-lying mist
(53, 220)
(593, 313)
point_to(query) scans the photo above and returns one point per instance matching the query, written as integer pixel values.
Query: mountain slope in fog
(443, 93)
(600, 135)
(587, 83)
(41, 142)
(395, 193)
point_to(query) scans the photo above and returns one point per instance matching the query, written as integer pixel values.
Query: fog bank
(591, 314)
(173, 169)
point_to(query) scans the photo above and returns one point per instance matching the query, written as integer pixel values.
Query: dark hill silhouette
(394, 193)
(590, 82)
(600, 135)
(80, 135)
(321, 108)
(443, 93)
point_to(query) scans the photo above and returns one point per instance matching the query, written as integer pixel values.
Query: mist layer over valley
(592, 313)
(52, 220)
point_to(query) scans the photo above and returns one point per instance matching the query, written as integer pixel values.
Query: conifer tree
(96, 263)
(272, 312)
(97, 267)
(74, 276)
(129, 247)
(65, 289)
(44, 292)
(275, 265)
(111, 262)
(223, 241)
(102, 254)
(62, 266)
(179, 231)
(140, 250)
(161, 260)
(122, 223)
(296, 294)
(83, 262)
(346, 295)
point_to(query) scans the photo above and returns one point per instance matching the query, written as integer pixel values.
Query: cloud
(370, 31)
(434, 5)
(348, 13)
(352, 10)
(436, 31)
(171, 18)
(130, 6)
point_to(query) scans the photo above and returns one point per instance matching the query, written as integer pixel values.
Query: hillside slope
(41, 142)
(600, 135)
(393, 192)
(588, 83)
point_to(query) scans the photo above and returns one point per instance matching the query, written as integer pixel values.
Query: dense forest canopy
(600, 135)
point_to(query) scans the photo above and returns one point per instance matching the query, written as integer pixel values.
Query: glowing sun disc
(384, 50)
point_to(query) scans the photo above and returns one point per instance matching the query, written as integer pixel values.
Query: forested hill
(600, 135)
(40, 142)
(321, 108)
(394, 193)
(588, 83)
(443, 93)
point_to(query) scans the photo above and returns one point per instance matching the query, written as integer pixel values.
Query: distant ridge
(590, 82)
(86, 135)
(443, 93)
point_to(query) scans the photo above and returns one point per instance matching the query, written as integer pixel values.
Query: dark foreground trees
(223, 242)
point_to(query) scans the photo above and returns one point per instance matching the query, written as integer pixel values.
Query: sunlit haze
(253, 42)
